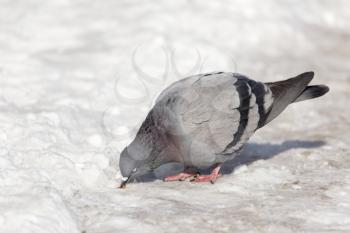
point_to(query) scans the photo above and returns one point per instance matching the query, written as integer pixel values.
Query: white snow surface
(78, 77)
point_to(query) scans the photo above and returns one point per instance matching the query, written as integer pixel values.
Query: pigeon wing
(213, 114)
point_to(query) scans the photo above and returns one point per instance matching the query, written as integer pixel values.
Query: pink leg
(209, 178)
(180, 177)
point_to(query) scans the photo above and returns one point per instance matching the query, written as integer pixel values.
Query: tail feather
(292, 90)
(311, 92)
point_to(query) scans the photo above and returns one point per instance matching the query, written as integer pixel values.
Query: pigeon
(204, 120)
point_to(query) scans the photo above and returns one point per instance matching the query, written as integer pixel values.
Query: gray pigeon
(204, 120)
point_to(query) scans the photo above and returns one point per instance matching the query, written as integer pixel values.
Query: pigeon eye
(134, 170)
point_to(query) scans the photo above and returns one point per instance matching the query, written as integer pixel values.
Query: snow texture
(78, 77)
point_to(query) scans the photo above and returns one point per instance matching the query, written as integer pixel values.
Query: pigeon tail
(312, 92)
(293, 90)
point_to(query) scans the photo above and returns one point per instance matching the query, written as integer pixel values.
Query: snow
(78, 77)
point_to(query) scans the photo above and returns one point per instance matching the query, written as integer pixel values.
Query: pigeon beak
(124, 182)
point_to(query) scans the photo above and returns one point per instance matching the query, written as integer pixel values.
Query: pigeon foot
(180, 177)
(215, 174)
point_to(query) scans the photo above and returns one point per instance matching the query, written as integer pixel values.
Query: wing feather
(210, 110)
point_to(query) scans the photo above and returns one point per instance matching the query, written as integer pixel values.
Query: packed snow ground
(78, 77)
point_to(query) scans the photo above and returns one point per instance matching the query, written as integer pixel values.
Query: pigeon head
(134, 162)
(143, 154)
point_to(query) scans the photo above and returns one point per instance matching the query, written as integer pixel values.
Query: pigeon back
(214, 115)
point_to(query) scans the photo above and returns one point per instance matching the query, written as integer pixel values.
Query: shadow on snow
(253, 152)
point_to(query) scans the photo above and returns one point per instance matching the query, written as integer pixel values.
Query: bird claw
(196, 177)
(212, 177)
(206, 178)
(180, 177)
